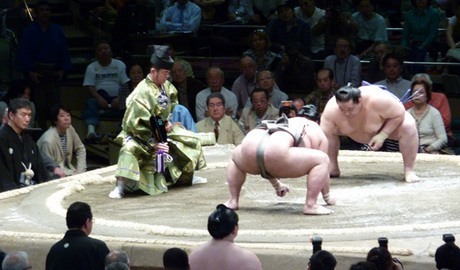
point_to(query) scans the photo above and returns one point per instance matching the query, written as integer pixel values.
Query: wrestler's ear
(235, 230)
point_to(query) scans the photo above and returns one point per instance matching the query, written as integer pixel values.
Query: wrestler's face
(349, 108)
(392, 69)
(420, 97)
(215, 80)
(136, 74)
(259, 102)
(63, 120)
(248, 68)
(324, 82)
(178, 73)
(21, 119)
(265, 80)
(216, 108)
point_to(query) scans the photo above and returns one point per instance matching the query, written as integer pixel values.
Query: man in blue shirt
(182, 16)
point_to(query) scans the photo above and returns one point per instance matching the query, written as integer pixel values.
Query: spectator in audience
(103, 79)
(371, 107)
(224, 127)
(44, 58)
(363, 266)
(288, 29)
(117, 266)
(16, 260)
(372, 27)
(175, 259)
(447, 256)
(187, 87)
(146, 131)
(298, 103)
(432, 135)
(19, 88)
(296, 72)
(116, 256)
(77, 250)
(266, 81)
(260, 110)
(453, 34)
(346, 67)
(243, 85)
(333, 25)
(325, 83)
(382, 259)
(136, 75)
(375, 68)
(393, 69)
(420, 31)
(215, 79)
(221, 252)
(188, 67)
(260, 51)
(60, 142)
(308, 12)
(21, 164)
(213, 11)
(261, 11)
(182, 16)
(438, 101)
(322, 260)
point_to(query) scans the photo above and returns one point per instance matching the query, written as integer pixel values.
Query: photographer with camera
(321, 259)
(381, 257)
(447, 256)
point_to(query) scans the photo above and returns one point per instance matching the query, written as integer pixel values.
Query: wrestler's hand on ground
(377, 141)
(280, 188)
(162, 146)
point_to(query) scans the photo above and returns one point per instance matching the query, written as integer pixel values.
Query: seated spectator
(453, 34)
(175, 259)
(266, 81)
(215, 79)
(224, 127)
(103, 79)
(393, 69)
(420, 32)
(116, 256)
(260, 51)
(19, 88)
(77, 250)
(298, 103)
(260, 110)
(187, 87)
(372, 27)
(296, 71)
(243, 85)
(325, 83)
(363, 266)
(333, 25)
(430, 127)
(288, 29)
(21, 164)
(117, 266)
(188, 67)
(308, 12)
(382, 259)
(322, 260)
(213, 11)
(16, 260)
(346, 67)
(375, 71)
(182, 16)
(261, 11)
(447, 256)
(60, 142)
(438, 101)
(136, 75)
(221, 252)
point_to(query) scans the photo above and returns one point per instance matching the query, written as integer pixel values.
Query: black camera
(383, 242)
(448, 238)
(317, 241)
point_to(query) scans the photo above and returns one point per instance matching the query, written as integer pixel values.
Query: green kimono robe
(136, 162)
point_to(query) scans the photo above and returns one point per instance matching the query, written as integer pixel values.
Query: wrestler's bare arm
(389, 109)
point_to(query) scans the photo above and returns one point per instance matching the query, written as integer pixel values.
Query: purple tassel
(160, 162)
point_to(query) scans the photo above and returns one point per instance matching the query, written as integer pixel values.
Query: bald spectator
(16, 260)
(260, 110)
(117, 256)
(346, 67)
(243, 85)
(215, 78)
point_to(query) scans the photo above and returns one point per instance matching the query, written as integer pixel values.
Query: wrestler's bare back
(277, 147)
(375, 107)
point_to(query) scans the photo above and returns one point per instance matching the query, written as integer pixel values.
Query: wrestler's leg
(326, 193)
(235, 180)
(317, 178)
(333, 153)
(408, 146)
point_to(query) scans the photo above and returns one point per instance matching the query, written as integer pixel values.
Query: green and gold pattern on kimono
(136, 162)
